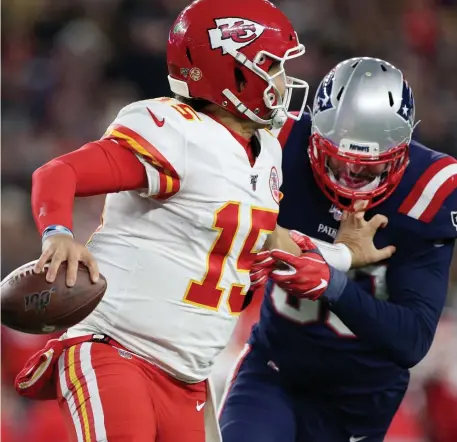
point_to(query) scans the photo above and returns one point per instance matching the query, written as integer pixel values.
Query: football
(30, 304)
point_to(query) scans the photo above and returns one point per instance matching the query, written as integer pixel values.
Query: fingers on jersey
(261, 269)
(306, 276)
(378, 221)
(357, 217)
(89, 261)
(360, 205)
(358, 235)
(384, 253)
(109, 394)
(259, 279)
(262, 260)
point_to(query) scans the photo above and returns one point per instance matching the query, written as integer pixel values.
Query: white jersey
(177, 254)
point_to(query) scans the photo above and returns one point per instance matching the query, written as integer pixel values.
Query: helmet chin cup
(278, 119)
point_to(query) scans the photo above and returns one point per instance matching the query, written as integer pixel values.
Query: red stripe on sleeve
(437, 202)
(162, 183)
(149, 149)
(176, 186)
(419, 187)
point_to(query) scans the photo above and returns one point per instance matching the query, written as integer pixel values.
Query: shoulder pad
(269, 140)
(146, 124)
(154, 131)
(172, 111)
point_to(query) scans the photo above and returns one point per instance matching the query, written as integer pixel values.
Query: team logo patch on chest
(274, 185)
(234, 33)
(336, 212)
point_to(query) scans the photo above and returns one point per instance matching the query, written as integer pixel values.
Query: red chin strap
(321, 149)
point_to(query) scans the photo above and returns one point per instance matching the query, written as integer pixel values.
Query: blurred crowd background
(68, 66)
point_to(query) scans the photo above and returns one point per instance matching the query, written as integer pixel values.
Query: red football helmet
(221, 51)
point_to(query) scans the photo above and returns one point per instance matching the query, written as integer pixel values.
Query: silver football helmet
(362, 123)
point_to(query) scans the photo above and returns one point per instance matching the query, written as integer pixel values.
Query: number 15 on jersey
(207, 293)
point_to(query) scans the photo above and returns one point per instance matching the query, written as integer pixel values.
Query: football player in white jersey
(193, 192)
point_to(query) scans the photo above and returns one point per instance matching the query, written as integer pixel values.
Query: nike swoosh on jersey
(200, 406)
(357, 439)
(158, 122)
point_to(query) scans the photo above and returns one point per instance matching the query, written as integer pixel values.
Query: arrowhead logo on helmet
(233, 33)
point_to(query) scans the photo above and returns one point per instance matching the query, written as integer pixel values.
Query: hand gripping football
(30, 304)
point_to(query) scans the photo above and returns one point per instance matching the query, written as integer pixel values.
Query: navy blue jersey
(385, 320)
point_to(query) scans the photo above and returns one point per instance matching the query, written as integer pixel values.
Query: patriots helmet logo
(233, 33)
(323, 100)
(407, 110)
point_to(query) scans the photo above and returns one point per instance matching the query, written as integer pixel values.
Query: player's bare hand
(61, 248)
(280, 239)
(357, 234)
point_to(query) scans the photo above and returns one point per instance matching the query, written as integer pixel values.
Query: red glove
(303, 241)
(261, 269)
(306, 276)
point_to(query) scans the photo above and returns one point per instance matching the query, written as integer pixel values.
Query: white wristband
(336, 255)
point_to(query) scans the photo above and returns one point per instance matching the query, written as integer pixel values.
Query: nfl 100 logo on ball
(38, 301)
(30, 304)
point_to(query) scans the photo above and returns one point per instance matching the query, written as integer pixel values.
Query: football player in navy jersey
(330, 363)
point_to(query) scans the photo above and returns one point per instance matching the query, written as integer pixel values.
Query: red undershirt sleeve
(96, 168)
